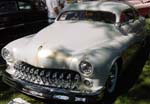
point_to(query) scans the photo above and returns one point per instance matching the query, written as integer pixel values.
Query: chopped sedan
(80, 57)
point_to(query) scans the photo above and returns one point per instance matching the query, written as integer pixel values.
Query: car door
(10, 21)
(34, 17)
(131, 27)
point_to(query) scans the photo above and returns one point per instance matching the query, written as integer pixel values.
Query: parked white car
(78, 58)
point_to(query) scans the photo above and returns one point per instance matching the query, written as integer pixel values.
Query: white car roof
(108, 6)
(114, 7)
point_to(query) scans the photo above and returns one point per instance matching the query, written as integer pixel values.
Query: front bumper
(47, 93)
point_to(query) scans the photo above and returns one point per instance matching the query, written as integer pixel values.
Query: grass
(138, 94)
(7, 94)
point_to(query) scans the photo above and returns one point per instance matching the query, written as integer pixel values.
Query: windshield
(101, 16)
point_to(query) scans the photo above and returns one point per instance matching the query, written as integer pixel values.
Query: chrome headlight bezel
(7, 55)
(86, 68)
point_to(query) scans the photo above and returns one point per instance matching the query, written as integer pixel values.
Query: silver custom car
(80, 56)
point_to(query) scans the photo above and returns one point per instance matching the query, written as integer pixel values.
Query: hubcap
(112, 78)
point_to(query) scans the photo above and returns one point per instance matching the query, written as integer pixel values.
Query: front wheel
(112, 78)
(111, 84)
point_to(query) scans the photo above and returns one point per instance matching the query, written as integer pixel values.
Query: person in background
(61, 4)
(53, 9)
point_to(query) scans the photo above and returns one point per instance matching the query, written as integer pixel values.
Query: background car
(19, 18)
(80, 57)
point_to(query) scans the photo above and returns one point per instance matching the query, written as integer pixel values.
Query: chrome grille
(65, 79)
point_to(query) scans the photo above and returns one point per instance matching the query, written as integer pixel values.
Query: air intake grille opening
(59, 78)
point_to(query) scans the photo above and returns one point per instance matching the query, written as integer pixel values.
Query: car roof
(111, 6)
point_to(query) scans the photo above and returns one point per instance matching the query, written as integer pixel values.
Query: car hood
(75, 36)
(59, 42)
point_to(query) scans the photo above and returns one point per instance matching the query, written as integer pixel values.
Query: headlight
(7, 55)
(86, 68)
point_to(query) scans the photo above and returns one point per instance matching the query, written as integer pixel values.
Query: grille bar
(65, 79)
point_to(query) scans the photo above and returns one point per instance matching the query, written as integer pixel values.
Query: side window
(24, 5)
(8, 6)
(127, 16)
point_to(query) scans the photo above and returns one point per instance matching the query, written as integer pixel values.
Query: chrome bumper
(48, 93)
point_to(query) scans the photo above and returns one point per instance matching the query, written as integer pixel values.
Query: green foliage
(147, 27)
